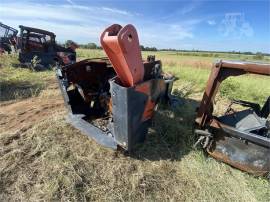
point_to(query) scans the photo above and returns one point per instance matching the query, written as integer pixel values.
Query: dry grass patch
(53, 161)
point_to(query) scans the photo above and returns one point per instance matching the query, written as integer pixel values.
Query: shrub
(230, 88)
(258, 56)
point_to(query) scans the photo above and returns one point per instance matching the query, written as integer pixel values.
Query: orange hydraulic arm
(121, 44)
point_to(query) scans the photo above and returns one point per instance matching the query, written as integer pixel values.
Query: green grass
(246, 87)
(89, 53)
(52, 161)
(17, 83)
(208, 55)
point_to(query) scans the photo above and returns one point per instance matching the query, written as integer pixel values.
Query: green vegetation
(17, 83)
(258, 56)
(195, 69)
(232, 54)
(246, 87)
(52, 161)
(88, 53)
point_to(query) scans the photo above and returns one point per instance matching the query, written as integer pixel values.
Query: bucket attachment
(113, 99)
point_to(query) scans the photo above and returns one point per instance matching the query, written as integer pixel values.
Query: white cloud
(85, 23)
(36, 11)
(189, 7)
(179, 32)
(71, 2)
(117, 11)
(65, 14)
(186, 8)
(211, 22)
(235, 25)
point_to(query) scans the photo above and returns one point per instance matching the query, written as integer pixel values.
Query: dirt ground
(23, 114)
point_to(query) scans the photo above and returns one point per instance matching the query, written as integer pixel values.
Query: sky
(242, 25)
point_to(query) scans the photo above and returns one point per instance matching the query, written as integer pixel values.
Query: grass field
(52, 161)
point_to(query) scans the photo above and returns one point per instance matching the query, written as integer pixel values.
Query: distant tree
(92, 46)
(69, 42)
(150, 49)
(258, 56)
(247, 53)
(145, 48)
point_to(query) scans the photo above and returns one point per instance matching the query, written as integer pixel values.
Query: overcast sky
(205, 25)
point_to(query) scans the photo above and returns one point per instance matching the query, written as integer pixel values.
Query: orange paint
(150, 105)
(121, 45)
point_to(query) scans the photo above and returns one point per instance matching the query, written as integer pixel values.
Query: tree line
(146, 48)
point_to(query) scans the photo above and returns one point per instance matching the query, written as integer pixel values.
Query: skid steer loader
(240, 138)
(113, 99)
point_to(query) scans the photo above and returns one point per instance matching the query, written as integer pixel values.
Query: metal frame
(7, 41)
(8, 28)
(129, 111)
(229, 142)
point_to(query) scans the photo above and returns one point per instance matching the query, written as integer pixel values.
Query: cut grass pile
(52, 161)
